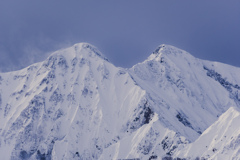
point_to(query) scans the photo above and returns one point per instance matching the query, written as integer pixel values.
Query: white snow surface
(77, 105)
(220, 141)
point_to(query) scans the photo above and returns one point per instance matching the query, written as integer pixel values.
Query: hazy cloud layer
(125, 31)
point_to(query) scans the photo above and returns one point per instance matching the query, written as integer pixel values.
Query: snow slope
(220, 141)
(73, 105)
(185, 88)
(77, 105)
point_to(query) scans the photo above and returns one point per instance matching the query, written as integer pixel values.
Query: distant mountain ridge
(77, 105)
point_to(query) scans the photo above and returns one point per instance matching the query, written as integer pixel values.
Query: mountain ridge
(77, 105)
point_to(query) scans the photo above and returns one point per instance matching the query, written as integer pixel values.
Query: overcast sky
(125, 31)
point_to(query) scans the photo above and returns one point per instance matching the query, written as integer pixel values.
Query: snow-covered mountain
(77, 105)
(220, 141)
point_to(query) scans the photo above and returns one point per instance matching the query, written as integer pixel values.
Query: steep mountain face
(220, 141)
(185, 88)
(73, 105)
(77, 105)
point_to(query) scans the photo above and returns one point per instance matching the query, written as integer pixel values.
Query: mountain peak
(159, 48)
(89, 47)
(167, 49)
(71, 55)
(77, 49)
